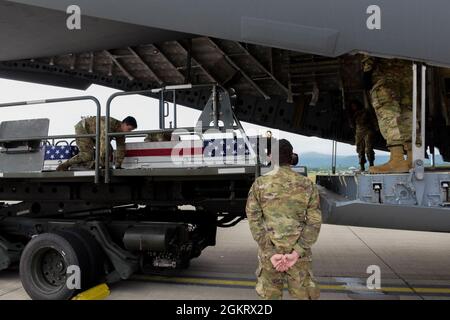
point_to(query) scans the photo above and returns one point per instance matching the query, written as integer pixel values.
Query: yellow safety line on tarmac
(433, 290)
(251, 284)
(242, 283)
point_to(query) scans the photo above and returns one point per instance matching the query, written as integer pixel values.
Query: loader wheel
(185, 263)
(97, 257)
(44, 263)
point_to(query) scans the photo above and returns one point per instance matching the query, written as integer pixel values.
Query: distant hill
(315, 160)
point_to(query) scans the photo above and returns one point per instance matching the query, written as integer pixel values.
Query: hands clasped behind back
(283, 262)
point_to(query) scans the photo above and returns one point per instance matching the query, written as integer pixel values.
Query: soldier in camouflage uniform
(391, 95)
(86, 145)
(284, 215)
(365, 129)
(159, 136)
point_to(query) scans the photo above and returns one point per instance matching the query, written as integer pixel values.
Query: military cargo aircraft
(290, 65)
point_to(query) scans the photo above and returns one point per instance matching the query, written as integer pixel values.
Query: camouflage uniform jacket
(114, 126)
(283, 210)
(388, 72)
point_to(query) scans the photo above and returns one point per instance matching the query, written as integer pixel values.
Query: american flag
(55, 155)
(60, 152)
(226, 147)
(184, 153)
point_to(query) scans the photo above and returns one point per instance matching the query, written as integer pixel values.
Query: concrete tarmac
(413, 265)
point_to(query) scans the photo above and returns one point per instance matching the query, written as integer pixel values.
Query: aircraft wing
(413, 29)
(287, 61)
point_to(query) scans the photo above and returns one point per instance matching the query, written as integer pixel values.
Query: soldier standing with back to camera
(283, 212)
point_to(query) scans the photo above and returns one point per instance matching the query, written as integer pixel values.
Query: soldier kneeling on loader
(86, 145)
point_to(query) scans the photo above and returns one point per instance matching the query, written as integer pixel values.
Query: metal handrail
(109, 134)
(68, 99)
(49, 137)
(144, 132)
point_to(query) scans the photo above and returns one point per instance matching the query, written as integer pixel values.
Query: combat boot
(362, 163)
(409, 157)
(396, 164)
(371, 158)
(63, 166)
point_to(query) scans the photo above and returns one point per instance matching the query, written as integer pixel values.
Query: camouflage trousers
(158, 137)
(364, 145)
(300, 280)
(86, 146)
(392, 102)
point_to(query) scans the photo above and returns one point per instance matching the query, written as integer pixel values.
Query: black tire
(44, 262)
(97, 257)
(185, 263)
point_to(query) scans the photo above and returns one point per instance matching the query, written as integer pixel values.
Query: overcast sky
(63, 116)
